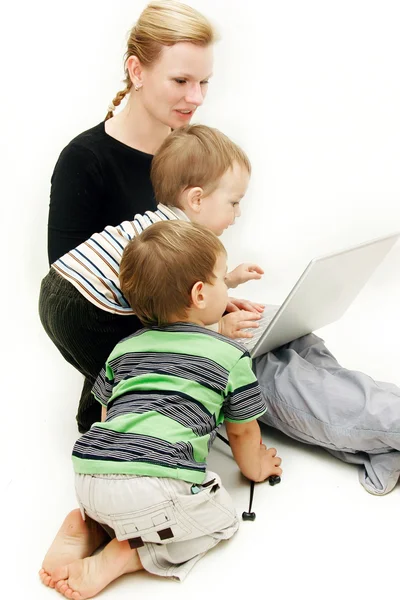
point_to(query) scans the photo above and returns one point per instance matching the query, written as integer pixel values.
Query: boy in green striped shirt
(141, 473)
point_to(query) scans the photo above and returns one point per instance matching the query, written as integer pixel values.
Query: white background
(311, 91)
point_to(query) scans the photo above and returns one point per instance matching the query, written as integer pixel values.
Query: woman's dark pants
(84, 334)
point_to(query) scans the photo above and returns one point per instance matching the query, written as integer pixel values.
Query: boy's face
(220, 208)
(216, 293)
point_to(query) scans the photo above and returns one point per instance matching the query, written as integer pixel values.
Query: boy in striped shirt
(142, 473)
(198, 175)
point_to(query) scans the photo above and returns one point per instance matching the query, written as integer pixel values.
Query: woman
(102, 178)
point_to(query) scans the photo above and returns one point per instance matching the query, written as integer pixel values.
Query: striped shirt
(93, 266)
(167, 390)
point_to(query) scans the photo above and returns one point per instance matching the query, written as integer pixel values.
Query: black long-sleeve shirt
(97, 181)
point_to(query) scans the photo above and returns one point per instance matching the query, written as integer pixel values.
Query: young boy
(198, 175)
(142, 472)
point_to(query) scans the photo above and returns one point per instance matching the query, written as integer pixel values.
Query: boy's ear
(135, 70)
(197, 295)
(194, 198)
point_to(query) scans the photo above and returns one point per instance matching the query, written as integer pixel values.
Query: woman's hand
(233, 324)
(242, 273)
(235, 304)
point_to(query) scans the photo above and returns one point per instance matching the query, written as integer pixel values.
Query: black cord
(272, 480)
(251, 495)
(221, 437)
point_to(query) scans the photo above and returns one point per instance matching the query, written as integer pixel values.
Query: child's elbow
(240, 430)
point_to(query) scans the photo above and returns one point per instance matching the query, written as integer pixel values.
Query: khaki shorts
(170, 522)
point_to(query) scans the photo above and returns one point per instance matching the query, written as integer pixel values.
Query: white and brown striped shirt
(93, 266)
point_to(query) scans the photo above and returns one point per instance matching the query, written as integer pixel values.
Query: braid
(117, 101)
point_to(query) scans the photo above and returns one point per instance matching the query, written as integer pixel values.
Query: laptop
(323, 293)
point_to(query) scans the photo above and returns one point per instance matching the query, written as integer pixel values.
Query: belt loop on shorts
(208, 483)
(195, 489)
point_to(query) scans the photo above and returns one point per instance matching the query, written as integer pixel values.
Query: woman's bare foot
(87, 577)
(75, 539)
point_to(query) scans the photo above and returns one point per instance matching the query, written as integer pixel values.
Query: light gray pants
(171, 523)
(311, 398)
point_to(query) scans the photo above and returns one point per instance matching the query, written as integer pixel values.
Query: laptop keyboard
(266, 318)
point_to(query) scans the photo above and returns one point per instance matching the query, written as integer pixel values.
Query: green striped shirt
(167, 390)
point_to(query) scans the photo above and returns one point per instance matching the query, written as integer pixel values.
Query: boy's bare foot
(75, 539)
(86, 577)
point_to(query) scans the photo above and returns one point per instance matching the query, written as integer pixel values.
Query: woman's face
(176, 85)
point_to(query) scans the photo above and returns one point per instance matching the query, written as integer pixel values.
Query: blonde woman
(103, 178)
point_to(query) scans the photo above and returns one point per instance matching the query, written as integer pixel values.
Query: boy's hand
(242, 273)
(232, 325)
(270, 463)
(235, 304)
(254, 459)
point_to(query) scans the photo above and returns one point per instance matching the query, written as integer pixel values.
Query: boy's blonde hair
(193, 156)
(160, 266)
(163, 24)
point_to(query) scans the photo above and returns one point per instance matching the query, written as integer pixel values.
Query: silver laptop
(321, 296)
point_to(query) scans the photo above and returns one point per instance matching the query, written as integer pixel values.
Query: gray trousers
(312, 399)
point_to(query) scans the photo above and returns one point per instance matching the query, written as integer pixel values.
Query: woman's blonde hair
(193, 156)
(160, 267)
(163, 23)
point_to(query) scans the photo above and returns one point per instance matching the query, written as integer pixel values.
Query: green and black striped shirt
(167, 390)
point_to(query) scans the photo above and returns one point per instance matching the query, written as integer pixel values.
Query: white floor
(317, 535)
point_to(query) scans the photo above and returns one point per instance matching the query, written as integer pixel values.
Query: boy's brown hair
(160, 266)
(193, 156)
